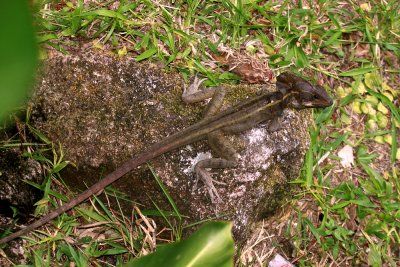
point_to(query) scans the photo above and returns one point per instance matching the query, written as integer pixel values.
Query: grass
(341, 216)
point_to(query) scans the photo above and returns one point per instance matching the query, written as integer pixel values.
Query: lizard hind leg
(216, 102)
(228, 159)
(194, 94)
(203, 175)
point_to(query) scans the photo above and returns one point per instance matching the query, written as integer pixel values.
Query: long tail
(186, 136)
(110, 178)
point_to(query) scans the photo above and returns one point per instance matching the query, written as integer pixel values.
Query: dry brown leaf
(362, 50)
(249, 69)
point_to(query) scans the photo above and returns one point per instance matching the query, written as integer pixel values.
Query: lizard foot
(193, 94)
(209, 183)
(194, 87)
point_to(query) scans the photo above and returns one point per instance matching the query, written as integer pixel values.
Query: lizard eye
(315, 97)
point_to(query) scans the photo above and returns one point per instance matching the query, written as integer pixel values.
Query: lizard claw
(209, 183)
(194, 87)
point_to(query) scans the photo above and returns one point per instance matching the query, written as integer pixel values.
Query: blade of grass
(394, 141)
(166, 193)
(358, 71)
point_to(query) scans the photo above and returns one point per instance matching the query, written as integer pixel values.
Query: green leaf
(228, 76)
(364, 201)
(112, 251)
(341, 205)
(92, 214)
(313, 230)
(46, 37)
(394, 141)
(309, 166)
(146, 54)
(387, 102)
(301, 58)
(374, 257)
(18, 53)
(41, 136)
(211, 245)
(359, 71)
(325, 114)
(335, 250)
(338, 140)
(364, 156)
(347, 99)
(333, 38)
(127, 7)
(53, 193)
(57, 168)
(373, 80)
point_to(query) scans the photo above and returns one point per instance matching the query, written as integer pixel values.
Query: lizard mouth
(321, 104)
(311, 104)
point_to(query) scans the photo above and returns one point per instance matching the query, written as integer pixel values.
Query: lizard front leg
(216, 139)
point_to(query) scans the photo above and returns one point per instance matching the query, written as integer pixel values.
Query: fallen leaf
(249, 68)
(347, 156)
(279, 261)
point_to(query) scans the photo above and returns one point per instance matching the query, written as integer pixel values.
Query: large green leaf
(211, 245)
(18, 54)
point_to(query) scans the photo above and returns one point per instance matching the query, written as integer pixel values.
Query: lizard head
(305, 95)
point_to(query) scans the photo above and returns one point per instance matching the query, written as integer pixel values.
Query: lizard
(292, 92)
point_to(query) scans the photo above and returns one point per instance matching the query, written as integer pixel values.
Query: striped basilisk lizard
(292, 91)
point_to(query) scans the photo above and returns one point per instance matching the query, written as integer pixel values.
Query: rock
(16, 193)
(104, 110)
